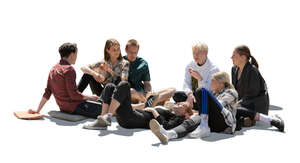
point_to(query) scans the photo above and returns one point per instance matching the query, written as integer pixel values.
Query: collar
(64, 62)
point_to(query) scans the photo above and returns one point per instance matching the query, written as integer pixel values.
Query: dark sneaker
(158, 131)
(151, 101)
(249, 122)
(96, 125)
(278, 122)
(104, 120)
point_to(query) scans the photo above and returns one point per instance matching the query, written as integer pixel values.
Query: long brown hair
(109, 43)
(244, 50)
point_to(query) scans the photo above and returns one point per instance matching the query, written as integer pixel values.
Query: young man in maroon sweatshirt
(62, 84)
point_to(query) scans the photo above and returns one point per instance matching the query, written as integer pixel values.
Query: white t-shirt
(206, 71)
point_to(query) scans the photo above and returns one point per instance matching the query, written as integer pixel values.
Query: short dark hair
(66, 49)
(132, 42)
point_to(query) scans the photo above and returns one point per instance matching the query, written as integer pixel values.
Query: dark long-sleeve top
(251, 88)
(168, 119)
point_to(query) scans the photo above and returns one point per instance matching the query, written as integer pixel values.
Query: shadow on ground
(221, 136)
(120, 131)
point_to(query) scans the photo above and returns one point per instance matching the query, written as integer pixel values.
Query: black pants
(216, 120)
(92, 110)
(88, 109)
(86, 80)
(244, 112)
(187, 126)
(126, 116)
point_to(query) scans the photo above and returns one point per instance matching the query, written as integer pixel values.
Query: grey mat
(66, 116)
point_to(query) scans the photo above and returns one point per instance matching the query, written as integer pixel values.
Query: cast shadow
(120, 131)
(214, 137)
(274, 107)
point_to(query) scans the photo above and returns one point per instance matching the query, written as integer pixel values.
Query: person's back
(61, 82)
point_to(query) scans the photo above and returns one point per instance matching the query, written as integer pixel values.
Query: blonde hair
(224, 78)
(201, 46)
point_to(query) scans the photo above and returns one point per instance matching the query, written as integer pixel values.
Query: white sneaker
(200, 132)
(158, 131)
(96, 125)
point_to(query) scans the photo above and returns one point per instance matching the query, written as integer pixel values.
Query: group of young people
(122, 88)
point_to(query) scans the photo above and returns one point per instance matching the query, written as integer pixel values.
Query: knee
(172, 91)
(200, 90)
(110, 86)
(133, 91)
(179, 96)
(124, 85)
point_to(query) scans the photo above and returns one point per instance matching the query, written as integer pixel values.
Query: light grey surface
(66, 116)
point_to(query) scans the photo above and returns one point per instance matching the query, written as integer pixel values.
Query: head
(241, 55)
(200, 51)
(183, 109)
(219, 81)
(112, 50)
(132, 49)
(68, 51)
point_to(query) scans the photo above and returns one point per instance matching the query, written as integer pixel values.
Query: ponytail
(253, 61)
(244, 50)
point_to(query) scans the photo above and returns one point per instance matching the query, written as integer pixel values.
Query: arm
(41, 105)
(89, 70)
(146, 79)
(252, 85)
(139, 106)
(187, 83)
(167, 119)
(44, 99)
(125, 71)
(147, 86)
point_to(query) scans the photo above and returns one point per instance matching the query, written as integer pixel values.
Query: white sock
(204, 120)
(264, 118)
(171, 134)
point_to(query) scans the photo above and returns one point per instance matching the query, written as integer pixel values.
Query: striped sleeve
(70, 80)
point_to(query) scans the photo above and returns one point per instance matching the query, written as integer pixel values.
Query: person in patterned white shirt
(112, 69)
(216, 112)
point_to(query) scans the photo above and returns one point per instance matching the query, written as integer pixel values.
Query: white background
(31, 32)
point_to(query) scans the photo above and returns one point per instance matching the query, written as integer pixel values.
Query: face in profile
(236, 58)
(114, 51)
(199, 56)
(132, 52)
(73, 58)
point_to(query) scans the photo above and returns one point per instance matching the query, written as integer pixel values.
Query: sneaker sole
(280, 129)
(195, 136)
(94, 128)
(155, 128)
